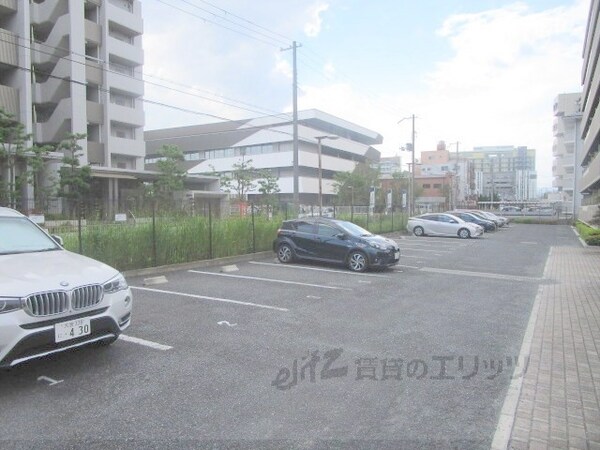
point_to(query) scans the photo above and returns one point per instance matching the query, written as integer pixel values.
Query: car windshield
(19, 235)
(354, 229)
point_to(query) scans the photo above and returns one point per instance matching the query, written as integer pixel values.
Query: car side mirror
(453, 221)
(57, 239)
(342, 236)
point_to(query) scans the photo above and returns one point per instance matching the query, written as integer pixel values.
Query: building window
(127, 5)
(122, 131)
(122, 100)
(426, 185)
(437, 186)
(120, 34)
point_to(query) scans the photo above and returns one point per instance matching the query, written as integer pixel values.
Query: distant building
(566, 150)
(268, 142)
(389, 165)
(506, 172)
(590, 155)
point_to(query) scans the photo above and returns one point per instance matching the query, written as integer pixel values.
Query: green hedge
(590, 235)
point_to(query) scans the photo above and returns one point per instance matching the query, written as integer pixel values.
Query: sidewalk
(559, 402)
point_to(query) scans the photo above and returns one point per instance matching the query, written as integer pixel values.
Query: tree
(15, 148)
(354, 187)
(171, 176)
(269, 188)
(241, 180)
(75, 181)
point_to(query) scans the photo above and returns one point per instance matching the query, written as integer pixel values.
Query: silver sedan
(442, 225)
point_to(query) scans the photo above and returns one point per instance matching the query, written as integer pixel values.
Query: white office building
(566, 150)
(268, 143)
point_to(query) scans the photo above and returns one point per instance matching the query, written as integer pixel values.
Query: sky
(473, 72)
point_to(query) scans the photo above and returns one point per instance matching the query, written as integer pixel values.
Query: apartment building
(590, 122)
(268, 143)
(74, 66)
(566, 149)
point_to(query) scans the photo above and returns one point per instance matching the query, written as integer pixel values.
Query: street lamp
(319, 139)
(351, 203)
(492, 157)
(412, 178)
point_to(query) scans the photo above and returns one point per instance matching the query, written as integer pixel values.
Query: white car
(52, 300)
(442, 225)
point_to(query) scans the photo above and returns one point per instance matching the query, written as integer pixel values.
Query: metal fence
(165, 237)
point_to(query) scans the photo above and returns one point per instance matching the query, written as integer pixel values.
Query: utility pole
(296, 197)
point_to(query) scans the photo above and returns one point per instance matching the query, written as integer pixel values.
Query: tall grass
(173, 240)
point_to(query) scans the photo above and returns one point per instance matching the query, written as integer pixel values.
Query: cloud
(313, 28)
(496, 87)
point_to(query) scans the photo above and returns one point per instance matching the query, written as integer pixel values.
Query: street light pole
(319, 139)
(412, 177)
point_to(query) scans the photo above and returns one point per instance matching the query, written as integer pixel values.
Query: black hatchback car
(337, 241)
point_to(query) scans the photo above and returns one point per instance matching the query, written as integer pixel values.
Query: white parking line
(408, 267)
(212, 299)
(496, 276)
(423, 250)
(295, 266)
(269, 280)
(145, 343)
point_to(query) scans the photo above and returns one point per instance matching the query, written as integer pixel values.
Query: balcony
(8, 6)
(94, 112)
(591, 174)
(126, 13)
(8, 49)
(9, 100)
(93, 32)
(95, 153)
(93, 72)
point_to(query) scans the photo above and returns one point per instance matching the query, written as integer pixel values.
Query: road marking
(418, 257)
(145, 343)
(224, 322)
(212, 299)
(245, 277)
(423, 250)
(530, 243)
(295, 266)
(155, 280)
(50, 381)
(313, 297)
(409, 267)
(496, 276)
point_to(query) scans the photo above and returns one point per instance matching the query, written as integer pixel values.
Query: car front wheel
(464, 233)
(285, 254)
(357, 262)
(418, 231)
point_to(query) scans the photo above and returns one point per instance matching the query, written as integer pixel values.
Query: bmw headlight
(8, 304)
(116, 284)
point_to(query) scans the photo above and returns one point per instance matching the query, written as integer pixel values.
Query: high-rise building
(590, 123)
(504, 172)
(566, 148)
(74, 66)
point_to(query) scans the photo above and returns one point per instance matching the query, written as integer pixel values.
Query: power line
(253, 109)
(220, 24)
(285, 41)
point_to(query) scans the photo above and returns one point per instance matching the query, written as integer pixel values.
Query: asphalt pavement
(264, 355)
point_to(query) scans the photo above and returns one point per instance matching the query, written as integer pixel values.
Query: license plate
(73, 329)
(397, 255)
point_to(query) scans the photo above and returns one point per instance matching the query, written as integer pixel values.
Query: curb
(195, 264)
(583, 243)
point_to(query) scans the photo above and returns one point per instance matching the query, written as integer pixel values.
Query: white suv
(52, 300)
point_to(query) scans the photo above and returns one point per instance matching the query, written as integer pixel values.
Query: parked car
(52, 300)
(510, 209)
(442, 224)
(503, 221)
(487, 225)
(336, 241)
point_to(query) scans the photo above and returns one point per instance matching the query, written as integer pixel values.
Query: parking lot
(287, 356)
